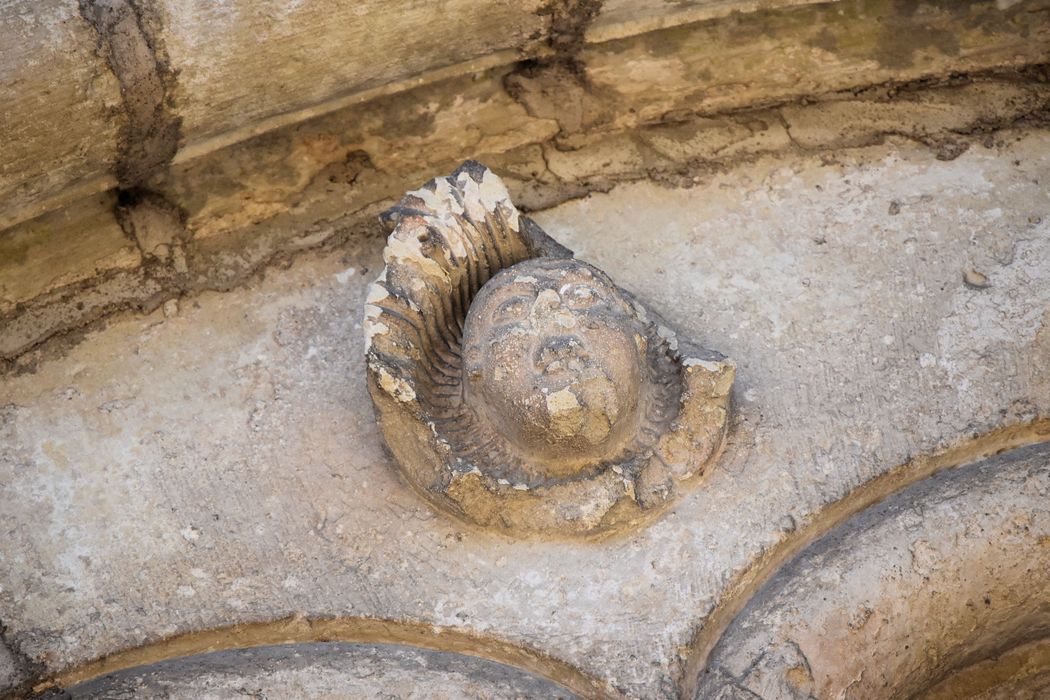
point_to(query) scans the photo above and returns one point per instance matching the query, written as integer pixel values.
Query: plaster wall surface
(216, 462)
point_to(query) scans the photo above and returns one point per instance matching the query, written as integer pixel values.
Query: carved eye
(579, 296)
(513, 309)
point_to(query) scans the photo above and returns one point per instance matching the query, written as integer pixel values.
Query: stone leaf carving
(520, 388)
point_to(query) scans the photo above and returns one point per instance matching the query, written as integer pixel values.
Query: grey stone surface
(326, 670)
(220, 463)
(942, 575)
(10, 674)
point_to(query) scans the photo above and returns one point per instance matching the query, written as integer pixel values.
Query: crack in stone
(154, 224)
(560, 72)
(152, 129)
(569, 20)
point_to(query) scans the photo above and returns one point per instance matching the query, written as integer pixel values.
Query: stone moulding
(520, 388)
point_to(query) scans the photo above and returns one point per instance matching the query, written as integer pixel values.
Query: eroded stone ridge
(329, 669)
(519, 387)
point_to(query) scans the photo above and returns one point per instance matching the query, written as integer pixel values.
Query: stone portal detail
(520, 388)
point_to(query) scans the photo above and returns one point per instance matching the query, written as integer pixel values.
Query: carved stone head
(555, 362)
(519, 387)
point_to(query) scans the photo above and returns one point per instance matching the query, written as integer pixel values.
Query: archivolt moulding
(520, 388)
(916, 597)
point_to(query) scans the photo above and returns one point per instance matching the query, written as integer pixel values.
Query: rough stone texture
(242, 61)
(129, 39)
(57, 127)
(10, 674)
(184, 471)
(352, 158)
(273, 196)
(239, 210)
(140, 83)
(1032, 687)
(331, 670)
(62, 248)
(1021, 673)
(786, 54)
(619, 18)
(838, 123)
(946, 573)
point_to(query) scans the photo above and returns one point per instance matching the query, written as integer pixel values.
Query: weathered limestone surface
(1017, 674)
(62, 248)
(951, 571)
(236, 211)
(347, 160)
(331, 670)
(99, 90)
(779, 55)
(620, 18)
(269, 127)
(218, 463)
(929, 116)
(712, 67)
(133, 85)
(243, 61)
(58, 131)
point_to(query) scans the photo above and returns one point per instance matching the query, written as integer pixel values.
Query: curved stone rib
(944, 573)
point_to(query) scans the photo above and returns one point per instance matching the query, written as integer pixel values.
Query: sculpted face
(554, 362)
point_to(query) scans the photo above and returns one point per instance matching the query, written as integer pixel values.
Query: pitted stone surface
(220, 464)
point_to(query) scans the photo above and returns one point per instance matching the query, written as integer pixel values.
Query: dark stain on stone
(569, 20)
(906, 8)
(26, 669)
(825, 40)
(127, 39)
(898, 45)
(567, 26)
(950, 149)
(150, 220)
(914, 25)
(356, 162)
(410, 117)
(669, 42)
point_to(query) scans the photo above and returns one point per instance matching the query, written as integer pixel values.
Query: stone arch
(322, 669)
(948, 573)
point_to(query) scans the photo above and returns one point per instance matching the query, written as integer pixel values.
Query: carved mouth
(560, 354)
